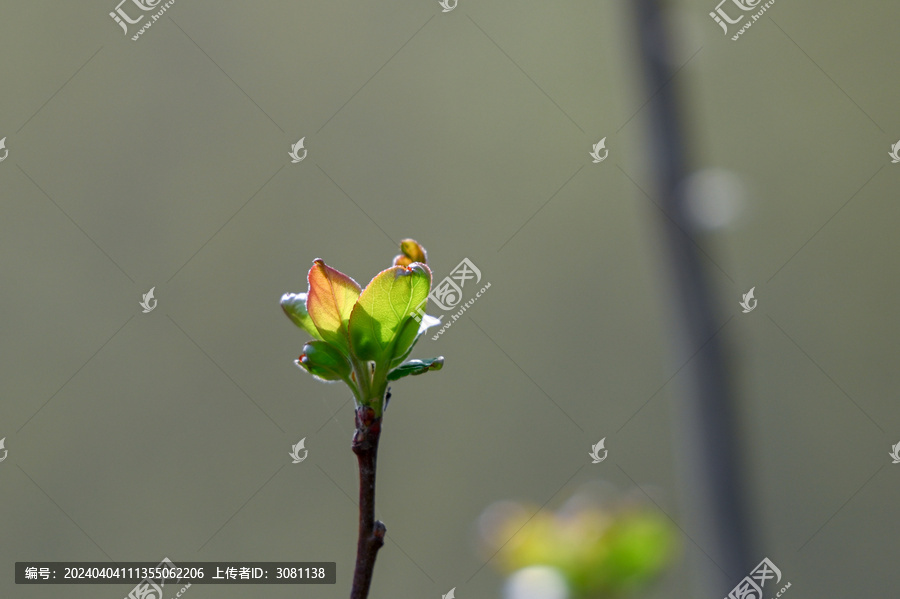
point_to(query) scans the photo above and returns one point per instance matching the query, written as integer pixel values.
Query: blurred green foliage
(601, 550)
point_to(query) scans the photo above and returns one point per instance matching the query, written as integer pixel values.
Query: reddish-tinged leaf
(330, 301)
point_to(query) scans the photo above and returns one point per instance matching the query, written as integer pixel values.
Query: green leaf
(415, 367)
(332, 295)
(426, 323)
(294, 306)
(324, 361)
(407, 333)
(383, 310)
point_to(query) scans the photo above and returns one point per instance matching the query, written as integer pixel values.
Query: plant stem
(371, 531)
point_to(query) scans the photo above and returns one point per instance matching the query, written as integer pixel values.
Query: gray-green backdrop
(164, 162)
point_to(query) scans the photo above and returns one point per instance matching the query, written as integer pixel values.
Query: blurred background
(163, 163)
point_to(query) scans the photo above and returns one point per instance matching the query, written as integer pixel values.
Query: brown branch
(371, 531)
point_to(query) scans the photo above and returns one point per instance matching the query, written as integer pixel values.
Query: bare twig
(371, 531)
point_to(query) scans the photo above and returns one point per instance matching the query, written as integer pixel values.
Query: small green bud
(412, 252)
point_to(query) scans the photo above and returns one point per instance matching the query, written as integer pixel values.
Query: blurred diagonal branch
(711, 413)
